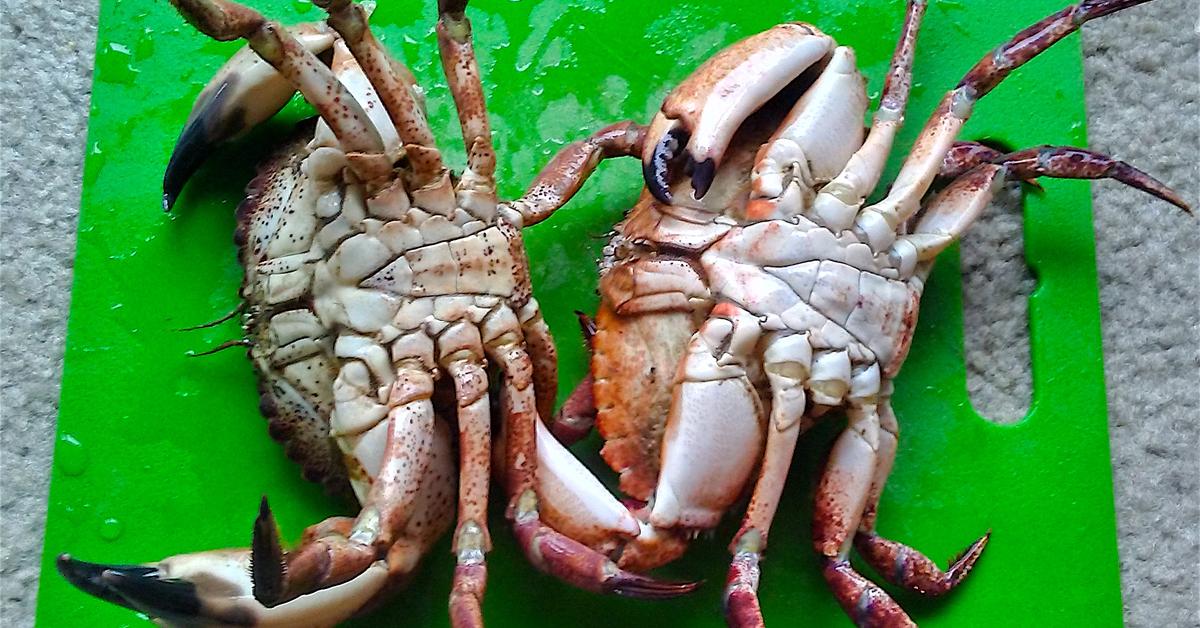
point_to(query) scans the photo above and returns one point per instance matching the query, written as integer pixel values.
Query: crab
(752, 291)
(378, 288)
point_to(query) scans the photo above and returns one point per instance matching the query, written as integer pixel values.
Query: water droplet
(537, 90)
(72, 514)
(144, 46)
(96, 158)
(113, 64)
(71, 457)
(302, 6)
(111, 529)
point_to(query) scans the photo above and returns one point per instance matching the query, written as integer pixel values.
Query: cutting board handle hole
(996, 287)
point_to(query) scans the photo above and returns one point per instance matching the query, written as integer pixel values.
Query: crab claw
(700, 116)
(132, 586)
(214, 588)
(245, 92)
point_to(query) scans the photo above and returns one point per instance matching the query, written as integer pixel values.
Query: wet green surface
(159, 453)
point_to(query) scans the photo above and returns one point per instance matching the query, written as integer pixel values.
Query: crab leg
(408, 432)
(786, 360)
(841, 499)
(560, 179)
(397, 89)
(577, 416)
(899, 564)
(477, 187)
(877, 223)
(964, 156)
(1065, 162)
(462, 356)
(547, 549)
(223, 20)
(575, 419)
(957, 207)
(838, 202)
(544, 356)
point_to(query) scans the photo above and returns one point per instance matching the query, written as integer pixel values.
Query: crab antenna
(228, 344)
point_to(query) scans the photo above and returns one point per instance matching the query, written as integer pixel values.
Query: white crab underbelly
(803, 278)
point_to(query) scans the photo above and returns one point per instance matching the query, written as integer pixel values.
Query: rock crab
(378, 287)
(752, 290)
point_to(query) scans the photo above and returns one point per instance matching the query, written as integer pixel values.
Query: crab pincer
(690, 133)
(245, 92)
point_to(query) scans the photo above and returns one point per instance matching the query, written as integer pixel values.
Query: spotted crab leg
(399, 94)
(840, 199)
(877, 223)
(408, 432)
(477, 186)
(577, 416)
(787, 361)
(1065, 162)
(841, 498)
(963, 156)
(244, 92)
(899, 564)
(546, 548)
(560, 179)
(542, 355)
(463, 359)
(223, 21)
(956, 208)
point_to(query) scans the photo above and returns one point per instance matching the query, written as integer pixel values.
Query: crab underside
(749, 293)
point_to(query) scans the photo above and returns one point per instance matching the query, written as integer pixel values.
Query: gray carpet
(1143, 78)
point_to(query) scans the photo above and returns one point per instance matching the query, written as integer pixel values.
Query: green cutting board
(159, 453)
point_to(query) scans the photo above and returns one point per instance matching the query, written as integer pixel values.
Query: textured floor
(1143, 79)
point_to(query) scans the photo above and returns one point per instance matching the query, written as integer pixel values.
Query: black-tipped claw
(136, 587)
(702, 176)
(266, 558)
(628, 584)
(657, 170)
(209, 126)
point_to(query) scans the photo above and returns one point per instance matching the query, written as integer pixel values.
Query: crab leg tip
(643, 587)
(966, 559)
